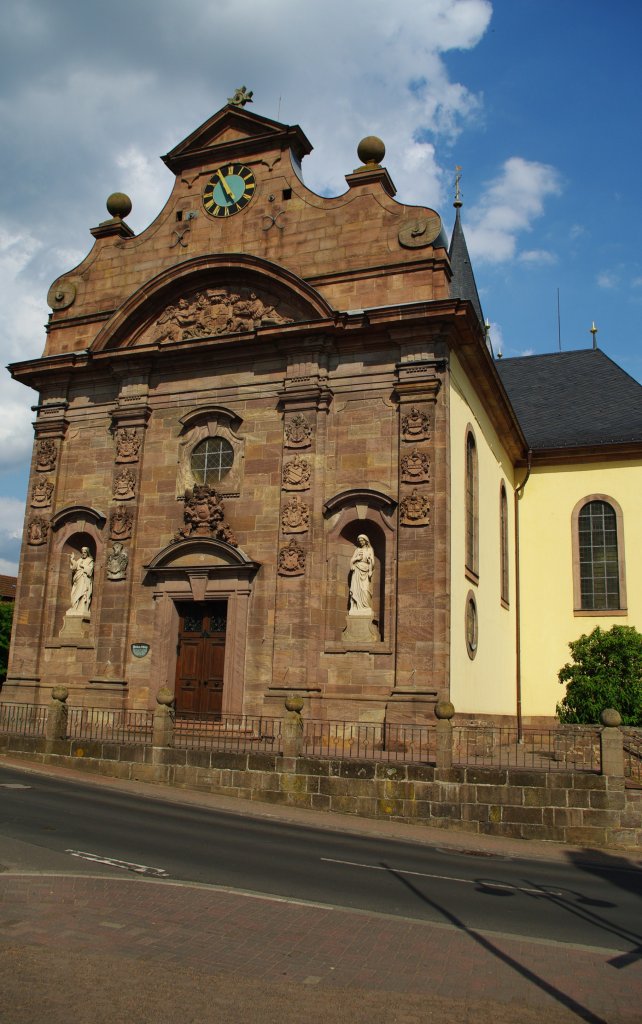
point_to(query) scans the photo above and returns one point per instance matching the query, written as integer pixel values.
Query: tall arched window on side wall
(503, 544)
(598, 556)
(472, 507)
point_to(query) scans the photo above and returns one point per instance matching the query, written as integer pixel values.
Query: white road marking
(446, 878)
(125, 865)
(13, 785)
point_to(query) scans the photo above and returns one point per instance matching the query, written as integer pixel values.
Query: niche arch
(349, 514)
(74, 528)
(199, 425)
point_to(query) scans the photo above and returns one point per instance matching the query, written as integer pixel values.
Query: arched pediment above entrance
(208, 297)
(202, 554)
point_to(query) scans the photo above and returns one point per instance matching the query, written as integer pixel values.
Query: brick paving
(105, 949)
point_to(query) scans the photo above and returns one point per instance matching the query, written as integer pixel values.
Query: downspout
(518, 629)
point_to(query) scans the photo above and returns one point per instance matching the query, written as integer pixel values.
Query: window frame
(471, 507)
(202, 444)
(578, 609)
(504, 548)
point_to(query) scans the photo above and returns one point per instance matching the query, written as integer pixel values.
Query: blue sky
(537, 100)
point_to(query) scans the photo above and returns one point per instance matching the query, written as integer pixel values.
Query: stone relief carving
(127, 445)
(417, 234)
(296, 474)
(82, 583)
(295, 517)
(298, 432)
(215, 311)
(120, 524)
(415, 467)
(46, 454)
(117, 560)
(124, 485)
(414, 510)
(415, 425)
(37, 530)
(292, 559)
(41, 493)
(205, 516)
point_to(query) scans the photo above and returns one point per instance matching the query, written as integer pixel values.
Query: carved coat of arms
(120, 524)
(295, 517)
(127, 445)
(204, 516)
(292, 559)
(37, 530)
(41, 493)
(296, 474)
(124, 484)
(415, 467)
(414, 510)
(298, 432)
(415, 425)
(46, 453)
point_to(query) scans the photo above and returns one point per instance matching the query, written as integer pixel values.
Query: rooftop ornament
(241, 97)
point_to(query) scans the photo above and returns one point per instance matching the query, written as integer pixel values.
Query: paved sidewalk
(102, 950)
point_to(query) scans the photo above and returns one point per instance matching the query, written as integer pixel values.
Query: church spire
(462, 285)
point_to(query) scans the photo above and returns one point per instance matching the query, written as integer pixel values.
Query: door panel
(201, 657)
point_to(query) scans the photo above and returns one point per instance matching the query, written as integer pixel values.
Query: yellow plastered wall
(484, 685)
(546, 556)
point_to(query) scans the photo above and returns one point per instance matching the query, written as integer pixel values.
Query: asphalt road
(46, 821)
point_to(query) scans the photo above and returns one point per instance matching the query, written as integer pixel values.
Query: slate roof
(573, 399)
(462, 285)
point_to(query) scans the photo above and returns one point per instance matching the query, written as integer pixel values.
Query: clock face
(229, 189)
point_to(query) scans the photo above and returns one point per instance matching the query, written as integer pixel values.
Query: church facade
(274, 454)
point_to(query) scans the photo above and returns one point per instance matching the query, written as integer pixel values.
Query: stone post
(612, 743)
(292, 727)
(444, 711)
(57, 712)
(164, 719)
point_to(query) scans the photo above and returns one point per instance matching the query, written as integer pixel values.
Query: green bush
(606, 672)
(6, 618)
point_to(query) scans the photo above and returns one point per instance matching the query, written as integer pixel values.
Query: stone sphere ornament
(371, 150)
(119, 205)
(444, 709)
(294, 703)
(611, 718)
(60, 693)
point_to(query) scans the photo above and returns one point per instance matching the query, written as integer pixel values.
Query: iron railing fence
(411, 744)
(23, 719)
(229, 733)
(567, 748)
(633, 754)
(110, 725)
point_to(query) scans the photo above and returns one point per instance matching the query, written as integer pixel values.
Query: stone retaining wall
(566, 807)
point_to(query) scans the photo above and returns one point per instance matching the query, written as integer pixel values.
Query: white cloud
(496, 338)
(606, 280)
(11, 519)
(636, 282)
(508, 207)
(537, 257)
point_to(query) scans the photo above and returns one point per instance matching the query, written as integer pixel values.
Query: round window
(471, 625)
(212, 460)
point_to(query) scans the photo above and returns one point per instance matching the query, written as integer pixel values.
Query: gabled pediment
(234, 131)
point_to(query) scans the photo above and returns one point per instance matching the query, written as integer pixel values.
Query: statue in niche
(37, 530)
(127, 445)
(414, 510)
(361, 571)
(82, 583)
(46, 453)
(41, 493)
(415, 468)
(295, 516)
(298, 432)
(296, 474)
(117, 560)
(120, 524)
(204, 516)
(124, 485)
(292, 559)
(415, 425)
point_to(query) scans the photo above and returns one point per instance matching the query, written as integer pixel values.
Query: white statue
(362, 567)
(82, 583)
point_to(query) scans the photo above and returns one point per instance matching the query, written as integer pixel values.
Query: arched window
(472, 507)
(598, 556)
(503, 544)
(211, 460)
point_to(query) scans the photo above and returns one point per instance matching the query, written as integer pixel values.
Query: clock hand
(226, 187)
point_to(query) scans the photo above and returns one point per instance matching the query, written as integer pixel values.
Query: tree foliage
(6, 618)
(606, 672)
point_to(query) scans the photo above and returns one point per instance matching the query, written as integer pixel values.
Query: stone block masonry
(564, 807)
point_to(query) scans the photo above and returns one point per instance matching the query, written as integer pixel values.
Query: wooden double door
(200, 657)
